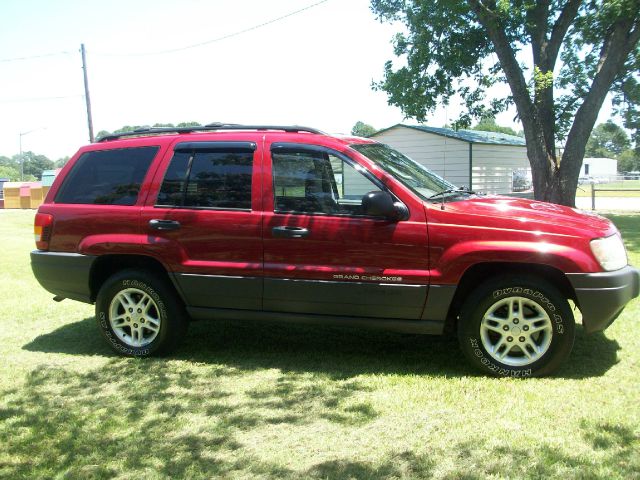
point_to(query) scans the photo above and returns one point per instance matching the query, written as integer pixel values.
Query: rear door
(322, 254)
(205, 223)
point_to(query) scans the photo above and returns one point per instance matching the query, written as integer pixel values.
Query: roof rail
(206, 128)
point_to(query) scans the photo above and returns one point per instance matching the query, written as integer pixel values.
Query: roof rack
(206, 128)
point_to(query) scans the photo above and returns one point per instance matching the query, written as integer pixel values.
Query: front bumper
(602, 296)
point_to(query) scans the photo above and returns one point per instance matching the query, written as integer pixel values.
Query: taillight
(42, 230)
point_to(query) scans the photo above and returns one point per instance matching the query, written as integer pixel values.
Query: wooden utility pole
(86, 92)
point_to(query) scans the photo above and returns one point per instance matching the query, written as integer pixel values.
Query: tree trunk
(615, 49)
(542, 169)
(543, 165)
(555, 181)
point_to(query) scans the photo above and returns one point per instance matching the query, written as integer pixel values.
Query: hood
(496, 211)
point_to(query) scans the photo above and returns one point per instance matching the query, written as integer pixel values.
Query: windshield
(409, 172)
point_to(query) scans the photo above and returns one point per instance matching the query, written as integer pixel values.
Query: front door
(322, 254)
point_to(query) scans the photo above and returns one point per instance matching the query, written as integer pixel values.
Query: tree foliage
(627, 101)
(34, 164)
(607, 140)
(131, 128)
(6, 161)
(11, 173)
(629, 161)
(488, 124)
(361, 129)
(61, 162)
(460, 49)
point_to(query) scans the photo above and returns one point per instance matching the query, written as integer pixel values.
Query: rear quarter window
(107, 177)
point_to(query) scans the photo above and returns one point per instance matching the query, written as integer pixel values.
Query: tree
(488, 124)
(627, 102)
(607, 140)
(629, 161)
(33, 165)
(465, 47)
(31, 168)
(125, 129)
(9, 162)
(61, 162)
(11, 173)
(131, 128)
(361, 129)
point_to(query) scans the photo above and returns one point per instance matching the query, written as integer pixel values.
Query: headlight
(610, 252)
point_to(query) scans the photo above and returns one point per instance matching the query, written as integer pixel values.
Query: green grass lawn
(252, 400)
(624, 189)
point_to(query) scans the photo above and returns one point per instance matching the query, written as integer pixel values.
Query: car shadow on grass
(251, 345)
(158, 419)
(200, 412)
(615, 455)
(338, 352)
(132, 418)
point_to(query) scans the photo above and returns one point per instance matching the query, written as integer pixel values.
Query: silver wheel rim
(516, 331)
(134, 317)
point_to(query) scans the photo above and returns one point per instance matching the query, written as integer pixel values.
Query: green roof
(470, 136)
(48, 176)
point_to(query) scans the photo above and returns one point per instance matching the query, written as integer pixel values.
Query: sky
(312, 68)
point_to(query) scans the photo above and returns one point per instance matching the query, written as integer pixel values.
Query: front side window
(208, 179)
(107, 177)
(407, 171)
(317, 182)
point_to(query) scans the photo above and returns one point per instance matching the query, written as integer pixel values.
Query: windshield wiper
(452, 190)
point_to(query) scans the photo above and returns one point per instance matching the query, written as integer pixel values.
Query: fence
(622, 190)
(616, 190)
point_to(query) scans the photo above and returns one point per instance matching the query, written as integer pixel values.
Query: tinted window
(412, 174)
(317, 182)
(214, 179)
(107, 177)
(172, 190)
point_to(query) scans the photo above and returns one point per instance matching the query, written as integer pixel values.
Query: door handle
(164, 224)
(290, 232)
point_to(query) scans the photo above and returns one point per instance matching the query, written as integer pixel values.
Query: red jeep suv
(160, 226)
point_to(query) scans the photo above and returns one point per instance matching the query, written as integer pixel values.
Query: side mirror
(381, 204)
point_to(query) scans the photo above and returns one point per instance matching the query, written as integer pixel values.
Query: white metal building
(483, 161)
(599, 167)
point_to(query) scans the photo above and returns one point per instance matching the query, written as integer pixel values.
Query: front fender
(456, 259)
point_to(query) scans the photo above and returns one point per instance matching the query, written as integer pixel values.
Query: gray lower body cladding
(602, 296)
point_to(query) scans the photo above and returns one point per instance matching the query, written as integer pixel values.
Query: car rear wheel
(139, 314)
(516, 326)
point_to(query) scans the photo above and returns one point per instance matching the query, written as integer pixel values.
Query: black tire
(156, 327)
(510, 342)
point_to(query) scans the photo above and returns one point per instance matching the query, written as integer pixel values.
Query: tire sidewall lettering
(103, 319)
(499, 370)
(478, 307)
(539, 298)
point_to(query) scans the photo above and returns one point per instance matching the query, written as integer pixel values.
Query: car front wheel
(516, 326)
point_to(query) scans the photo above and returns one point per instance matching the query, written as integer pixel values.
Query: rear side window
(107, 177)
(208, 179)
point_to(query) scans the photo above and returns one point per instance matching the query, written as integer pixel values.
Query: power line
(38, 99)
(44, 55)
(208, 42)
(172, 50)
